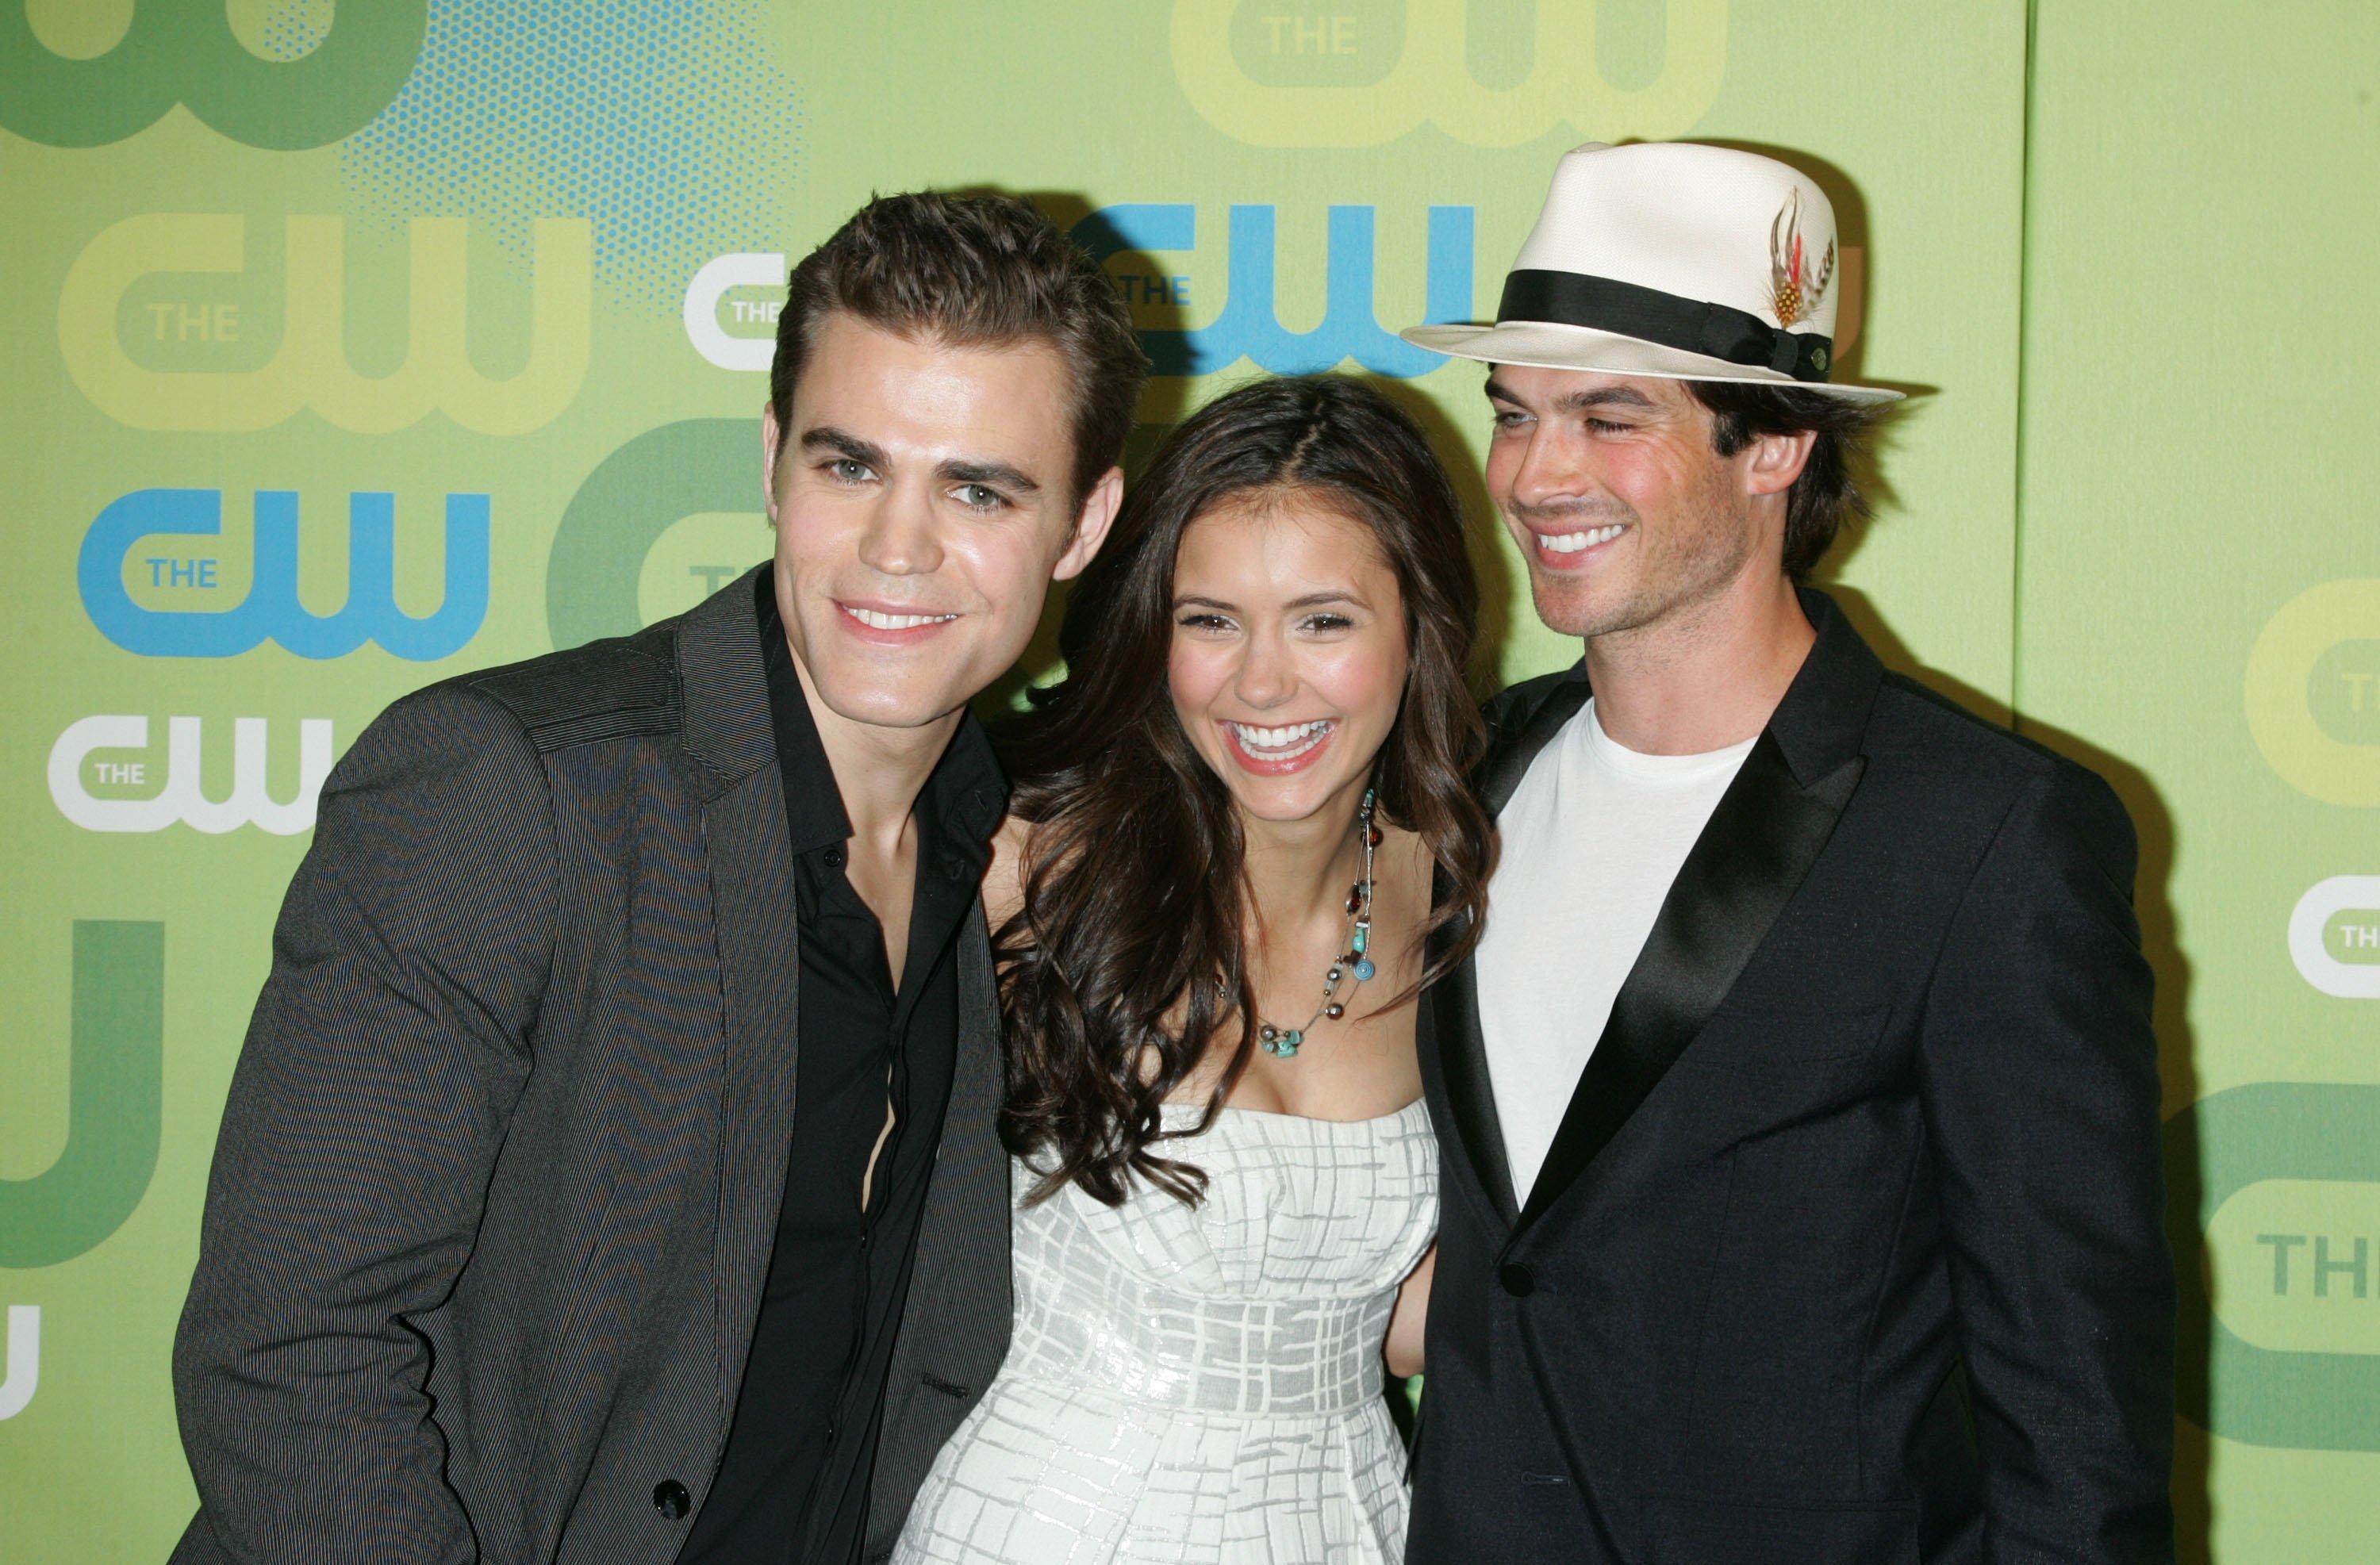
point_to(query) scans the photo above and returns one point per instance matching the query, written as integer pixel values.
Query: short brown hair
(1825, 495)
(974, 271)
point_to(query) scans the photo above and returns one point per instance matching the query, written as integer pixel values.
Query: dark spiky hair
(973, 271)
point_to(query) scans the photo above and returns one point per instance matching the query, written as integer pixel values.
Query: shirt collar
(968, 791)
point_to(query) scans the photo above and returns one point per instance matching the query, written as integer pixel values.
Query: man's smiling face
(1626, 514)
(922, 500)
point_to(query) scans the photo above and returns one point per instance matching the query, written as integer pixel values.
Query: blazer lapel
(1531, 728)
(1454, 1028)
(752, 899)
(728, 733)
(963, 1234)
(1768, 830)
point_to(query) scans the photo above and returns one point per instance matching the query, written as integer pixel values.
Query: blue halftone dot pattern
(293, 27)
(662, 122)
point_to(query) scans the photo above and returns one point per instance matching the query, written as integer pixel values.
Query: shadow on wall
(2176, 1050)
(1489, 559)
(1164, 402)
(1167, 401)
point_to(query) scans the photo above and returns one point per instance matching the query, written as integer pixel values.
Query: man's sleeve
(371, 1095)
(2040, 1083)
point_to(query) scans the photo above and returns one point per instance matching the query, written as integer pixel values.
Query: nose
(1547, 470)
(900, 538)
(1266, 676)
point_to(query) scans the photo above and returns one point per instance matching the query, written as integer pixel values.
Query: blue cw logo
(1249, 326)
(271, 610)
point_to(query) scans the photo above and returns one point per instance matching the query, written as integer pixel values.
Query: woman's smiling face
(1289, 657)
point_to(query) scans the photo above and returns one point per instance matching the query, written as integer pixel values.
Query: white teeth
(875, 621)
(1572, 542)
(1281, 744)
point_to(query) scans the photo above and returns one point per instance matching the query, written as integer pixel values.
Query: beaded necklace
(1355, 962)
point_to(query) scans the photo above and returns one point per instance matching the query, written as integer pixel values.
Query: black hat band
(1606, 304)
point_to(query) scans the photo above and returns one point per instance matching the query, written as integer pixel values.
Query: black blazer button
(1518, 1279)
(672, 1501)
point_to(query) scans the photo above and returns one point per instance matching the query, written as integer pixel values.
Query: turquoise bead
(1363, 939)
(1363, 970)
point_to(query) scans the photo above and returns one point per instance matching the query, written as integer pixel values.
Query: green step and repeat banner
(352, 343)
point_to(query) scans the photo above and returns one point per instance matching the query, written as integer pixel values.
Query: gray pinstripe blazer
(496, 1184)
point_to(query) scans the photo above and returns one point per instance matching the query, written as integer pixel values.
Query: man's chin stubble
(1569, 613)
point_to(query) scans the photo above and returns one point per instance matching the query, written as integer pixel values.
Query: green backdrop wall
(348, 345)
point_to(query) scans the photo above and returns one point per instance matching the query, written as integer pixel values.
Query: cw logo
(184, 51)
(1249, 325)
(710, 288)
(2285, 1174)
(2335, 937)
(311, 369)
(271, 610)
(182, 797)
(633, 496)
(2313, 692)
(1430, 82)
(114, 1094)
(24, 1375)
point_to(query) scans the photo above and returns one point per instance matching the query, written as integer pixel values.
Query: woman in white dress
(1235, 826)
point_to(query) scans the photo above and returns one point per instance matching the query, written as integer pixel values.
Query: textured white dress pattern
(1200, 1384)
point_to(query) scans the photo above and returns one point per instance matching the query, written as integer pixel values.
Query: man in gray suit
(610, 1175)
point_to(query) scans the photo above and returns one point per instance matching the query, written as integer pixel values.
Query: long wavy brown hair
(1127, 961)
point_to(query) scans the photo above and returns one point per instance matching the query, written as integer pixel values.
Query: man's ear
(770, 437)
(1091, 525)
(1776, 461)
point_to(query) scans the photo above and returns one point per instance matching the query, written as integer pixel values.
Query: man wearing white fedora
(1801, 1185)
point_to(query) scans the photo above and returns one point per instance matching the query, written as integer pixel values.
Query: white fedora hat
(1674, 259)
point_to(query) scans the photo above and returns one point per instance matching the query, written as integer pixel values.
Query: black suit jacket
(1849, 1247)
(497, 1182)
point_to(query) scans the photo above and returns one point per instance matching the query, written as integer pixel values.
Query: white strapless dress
(1200, 1384)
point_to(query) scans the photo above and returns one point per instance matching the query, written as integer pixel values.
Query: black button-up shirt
(792, 1487)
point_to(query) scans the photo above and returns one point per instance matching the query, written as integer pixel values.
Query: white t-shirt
(1592, 839)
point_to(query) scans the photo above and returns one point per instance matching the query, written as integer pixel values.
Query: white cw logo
(24, 1359)
(720, 276)
(182, 797)
(2335, 937)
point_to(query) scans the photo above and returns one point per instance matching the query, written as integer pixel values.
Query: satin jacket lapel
(1454, 1003)
(728, 733)
(1768, 830)
(1530, 729)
